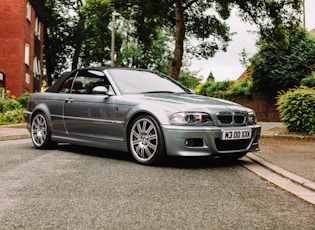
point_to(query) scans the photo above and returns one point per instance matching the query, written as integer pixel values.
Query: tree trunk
(179, 40)
(75, 59)
(78, 37)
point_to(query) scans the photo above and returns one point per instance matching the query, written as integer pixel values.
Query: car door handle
(68, 100)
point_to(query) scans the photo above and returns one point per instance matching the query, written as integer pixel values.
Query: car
(145, 113)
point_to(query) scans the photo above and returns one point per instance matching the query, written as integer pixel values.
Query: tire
(40, 132)
(146, 142)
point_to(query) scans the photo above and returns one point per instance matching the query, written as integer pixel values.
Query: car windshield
(140, 81)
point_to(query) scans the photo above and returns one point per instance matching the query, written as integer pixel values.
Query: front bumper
(206, 141)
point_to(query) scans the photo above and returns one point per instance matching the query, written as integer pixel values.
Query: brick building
(21, 44)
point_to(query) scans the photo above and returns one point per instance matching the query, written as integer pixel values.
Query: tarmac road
(286, 155)
(294, 155)
(75, 187)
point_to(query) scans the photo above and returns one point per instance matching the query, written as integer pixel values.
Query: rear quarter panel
(51, 104)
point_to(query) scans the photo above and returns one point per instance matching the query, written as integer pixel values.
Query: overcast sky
(226, 66)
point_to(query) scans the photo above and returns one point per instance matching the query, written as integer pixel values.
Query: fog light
(194, 142)
(189, 142)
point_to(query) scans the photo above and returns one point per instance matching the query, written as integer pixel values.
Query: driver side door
(88, 115)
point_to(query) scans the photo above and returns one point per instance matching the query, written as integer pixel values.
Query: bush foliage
(297, 109)
(15, 116)
(228, 89)
(12, 110)
(281, 67)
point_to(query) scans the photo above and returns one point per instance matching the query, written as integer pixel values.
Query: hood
(189, 102)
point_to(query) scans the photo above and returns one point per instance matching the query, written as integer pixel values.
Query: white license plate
(236, 134)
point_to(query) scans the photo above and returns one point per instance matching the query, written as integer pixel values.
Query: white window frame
(28, 11)
(36, 67)
(27, 54)
(37, 27)
(27, 78)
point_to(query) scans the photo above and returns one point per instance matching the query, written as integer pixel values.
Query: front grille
(223, 145)
(239, 118)
(225, 118)
(228, 118)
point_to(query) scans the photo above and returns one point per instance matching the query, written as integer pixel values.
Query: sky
(226, 65)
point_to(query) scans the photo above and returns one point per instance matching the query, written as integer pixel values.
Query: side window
(66, 87)
(86, 80)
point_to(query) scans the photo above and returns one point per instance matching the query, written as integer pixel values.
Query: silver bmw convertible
(145, 113)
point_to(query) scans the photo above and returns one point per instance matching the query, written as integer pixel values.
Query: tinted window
(82, 82)
(66, 87)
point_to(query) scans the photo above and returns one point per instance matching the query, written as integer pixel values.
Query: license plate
(236, 134)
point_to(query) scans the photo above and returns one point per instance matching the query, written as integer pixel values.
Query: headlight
(251, 119)
(190, 118)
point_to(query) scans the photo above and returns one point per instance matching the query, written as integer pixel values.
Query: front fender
(160, 113)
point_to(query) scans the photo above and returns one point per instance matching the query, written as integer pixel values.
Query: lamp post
(304, 17)
(114, 14)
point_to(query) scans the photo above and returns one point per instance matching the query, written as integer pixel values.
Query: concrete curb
(14, 137)
(291, 176)
(296, 137)
(13, 132)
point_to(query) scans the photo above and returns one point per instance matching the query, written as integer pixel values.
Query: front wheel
(40, 132)
(146, 141)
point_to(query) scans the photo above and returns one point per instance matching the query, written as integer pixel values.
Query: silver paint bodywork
(103, 121)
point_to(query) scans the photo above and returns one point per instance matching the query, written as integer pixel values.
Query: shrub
(309, 81)
(12, 109)
(241, 88)
(297, 109)
(9, 104)
(228, 89)
(216, 89)
(23, 99)
(15, 116)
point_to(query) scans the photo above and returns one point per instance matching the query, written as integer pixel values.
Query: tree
(147, 19)
(277, 67)
(56, 39)
(189, 80)
(202, 20)
(205, 22)
(157, 57)
(77, 31)
(210, 77)
(193, 18)
(93, 34)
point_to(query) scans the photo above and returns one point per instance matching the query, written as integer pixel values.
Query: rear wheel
(146, 141)
(40, 132)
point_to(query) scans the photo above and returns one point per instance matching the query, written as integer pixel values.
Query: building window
(27, 54)
(36, 67)
(28, 11)
(27, 78)
(37, 27)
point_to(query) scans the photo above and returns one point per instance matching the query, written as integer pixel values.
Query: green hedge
(297, 109)
(12, 110)
(15, 116)
(228, 89)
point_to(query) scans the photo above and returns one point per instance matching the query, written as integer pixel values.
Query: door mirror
(100, 90)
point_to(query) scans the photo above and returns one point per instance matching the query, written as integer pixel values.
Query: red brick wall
(264, 106)
(15, 32)
(11, 43)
